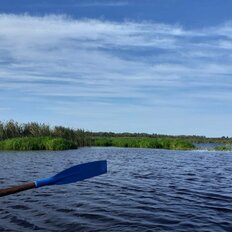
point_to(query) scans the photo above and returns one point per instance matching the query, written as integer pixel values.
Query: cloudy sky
(155, 66)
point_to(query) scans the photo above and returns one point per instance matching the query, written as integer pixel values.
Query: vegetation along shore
(35, 136)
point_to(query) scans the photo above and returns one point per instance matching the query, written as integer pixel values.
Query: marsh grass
(162, 143)
(36, 143)
(223, 148)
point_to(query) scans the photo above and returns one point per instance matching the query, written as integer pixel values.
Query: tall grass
(36, 143)
(81, 138)
(223, 148)
(174, 144)
(12, 129)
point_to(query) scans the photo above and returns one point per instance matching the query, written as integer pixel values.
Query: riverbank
(36, 143)
(171, 144)
(35, 136)
(48, 143)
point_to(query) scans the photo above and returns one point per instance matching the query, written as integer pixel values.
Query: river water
(144, 190)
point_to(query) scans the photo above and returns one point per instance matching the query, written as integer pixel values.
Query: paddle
(70, 175)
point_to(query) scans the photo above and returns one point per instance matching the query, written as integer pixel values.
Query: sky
(153, 66)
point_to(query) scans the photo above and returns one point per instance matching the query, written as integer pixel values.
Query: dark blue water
(144, 190)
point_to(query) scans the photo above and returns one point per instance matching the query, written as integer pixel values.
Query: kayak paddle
(70, 175)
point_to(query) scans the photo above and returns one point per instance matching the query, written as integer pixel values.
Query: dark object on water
(70, 175)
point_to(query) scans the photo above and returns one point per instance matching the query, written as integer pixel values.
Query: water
(144, 190)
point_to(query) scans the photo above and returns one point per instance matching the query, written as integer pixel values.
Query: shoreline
(60, 144)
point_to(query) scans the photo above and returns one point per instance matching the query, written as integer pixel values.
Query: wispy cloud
(103, 3)
(112, 65)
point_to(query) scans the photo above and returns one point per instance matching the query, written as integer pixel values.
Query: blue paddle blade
(76, 173)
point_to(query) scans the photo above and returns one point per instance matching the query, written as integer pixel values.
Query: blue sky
(155, 66)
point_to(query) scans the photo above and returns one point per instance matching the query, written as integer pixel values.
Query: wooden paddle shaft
(15, 189)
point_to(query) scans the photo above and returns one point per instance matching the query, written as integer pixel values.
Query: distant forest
(81, 138)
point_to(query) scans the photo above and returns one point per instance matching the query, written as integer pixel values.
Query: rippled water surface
(144, 190)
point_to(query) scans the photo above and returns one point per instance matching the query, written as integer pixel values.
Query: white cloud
(57, 45)
(103, 4)
(148, 64)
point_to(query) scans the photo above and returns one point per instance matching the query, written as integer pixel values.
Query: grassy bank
(223, 148)
(11, 129)
(49, 143)
(36, 136)
(36, 143)
(172, 144)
